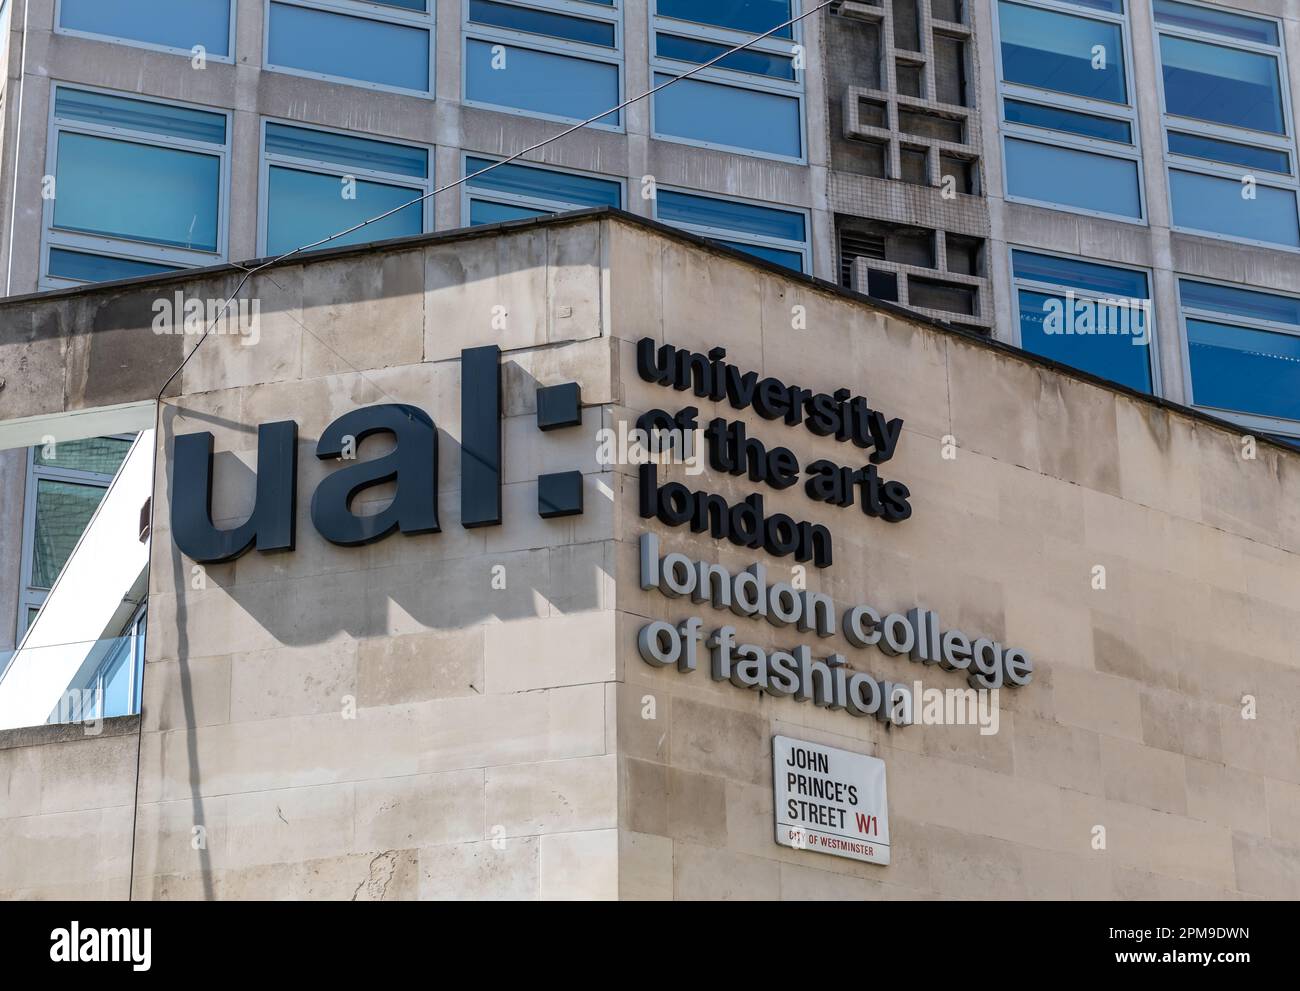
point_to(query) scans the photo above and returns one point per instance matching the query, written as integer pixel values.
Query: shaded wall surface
(465, 713)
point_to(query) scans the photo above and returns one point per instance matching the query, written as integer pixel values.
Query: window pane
(521, 180)
(1087, 276)
(729, 116)
(543, 22)
(1088, 125)
(1215, 21)
(136, 191)
(420, 5)
(303, 207)
(140, 115)
(62, 511)
(1113, 6)
(1107, 340)
(1244, 370)
(752, 16)
(704, 211)
(542, 82)
(1214, 204)
(346, 150)
(1222, 85)
(101, 455)
(790, 259)
(85, 267)
(694, 50)
(1054, 51)
(1072, 178)
(1240, 302)
(117, 680)
(1229, 152)
(156, 22)
(482, 212)
(352, 47)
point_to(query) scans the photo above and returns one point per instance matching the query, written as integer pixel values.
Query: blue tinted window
(346, 150)
(694, 50)
(1087, 125)
(521, 180)
(155, 22)
(543, 22)
(1240, 302)
(304, 207)
(352, 47)
(542, 82)
(1222, 85)
(1113, 6)
(419, 5)
(117, 680)
(1244, 370)
(1248, 156)
(140, 115)
(1089, 277)
(729, 116)
(482, 212)
(137, 191)
(82, 266)
(1072, 178)
(1100, 337)
(1053, 51)
(1214, 204)
(790, 259)
(752, 16)
(705, 211)
(1215, 21)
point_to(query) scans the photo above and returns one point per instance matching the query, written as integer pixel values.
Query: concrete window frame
(735, 79)
(266, 160)
(744, 237)
(228, 59)
(1128, 112)
(1033, 285)
(611, 13)
(540, 203)
(1174, 162)
(30, 597)
(118, 247)
(1262, 424)
(426, 21)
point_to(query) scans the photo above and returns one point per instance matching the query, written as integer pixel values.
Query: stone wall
(1133, 720)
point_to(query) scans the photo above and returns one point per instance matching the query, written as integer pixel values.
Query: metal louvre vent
(857, 244)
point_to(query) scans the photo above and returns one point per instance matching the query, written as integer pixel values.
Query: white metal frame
(469, 192)
(730, 37)
(425, 21)
(228, 59)
(745, 237)
(1064, 101)
(1188, 125)
(418, 187)
(1056, 288)
(28, 596)
(1263, 424)
(121, 247)
(491, 35)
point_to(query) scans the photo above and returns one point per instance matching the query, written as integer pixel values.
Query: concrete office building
(508, 709)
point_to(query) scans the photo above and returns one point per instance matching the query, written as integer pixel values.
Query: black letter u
(271, 527)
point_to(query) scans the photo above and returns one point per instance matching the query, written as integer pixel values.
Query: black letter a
(271, 526)
(414, 466)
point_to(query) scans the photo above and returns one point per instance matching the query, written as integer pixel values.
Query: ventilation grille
(857, 244)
